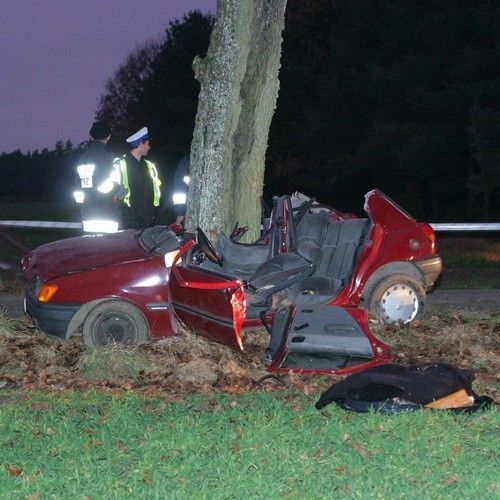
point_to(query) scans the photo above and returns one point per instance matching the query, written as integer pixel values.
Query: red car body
(118, 288)
(87, 270)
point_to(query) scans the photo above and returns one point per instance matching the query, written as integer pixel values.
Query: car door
(307, 338)
(206, 302)
(323, 339)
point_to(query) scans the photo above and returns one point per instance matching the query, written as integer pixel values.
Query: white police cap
(135, 139)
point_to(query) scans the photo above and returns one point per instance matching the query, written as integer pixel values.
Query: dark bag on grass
(393, 388)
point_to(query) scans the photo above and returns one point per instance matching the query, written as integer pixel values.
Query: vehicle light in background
(179, 198)
(170, 257)
(47, 292)
(100, 226)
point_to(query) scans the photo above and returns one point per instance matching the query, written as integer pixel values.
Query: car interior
(320, 259)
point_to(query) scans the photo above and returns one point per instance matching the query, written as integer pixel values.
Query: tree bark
(238, 93)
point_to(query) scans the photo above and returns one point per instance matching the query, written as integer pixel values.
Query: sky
(57, 55)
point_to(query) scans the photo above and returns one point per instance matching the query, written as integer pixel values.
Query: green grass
(257, 445)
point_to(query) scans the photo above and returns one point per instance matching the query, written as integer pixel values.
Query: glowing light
(106, 186)
(179, 198)
(100, 226)
(47, 292)
(170, 257)
(79, 196)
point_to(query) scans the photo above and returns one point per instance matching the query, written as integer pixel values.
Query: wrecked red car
(310, 281)
(312, 284)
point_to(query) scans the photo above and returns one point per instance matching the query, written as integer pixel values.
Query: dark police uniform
(97, 163)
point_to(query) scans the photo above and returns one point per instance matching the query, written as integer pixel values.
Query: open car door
(207, 303)
(323, 339)
(312, 338)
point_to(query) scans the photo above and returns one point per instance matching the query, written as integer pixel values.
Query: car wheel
(114, 322)
(398, 298)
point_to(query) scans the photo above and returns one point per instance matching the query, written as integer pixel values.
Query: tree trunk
(238, 94)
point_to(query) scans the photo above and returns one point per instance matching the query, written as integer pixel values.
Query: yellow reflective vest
(121, 167)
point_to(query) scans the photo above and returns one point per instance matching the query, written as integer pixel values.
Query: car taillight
(427, 229)
(46, 293)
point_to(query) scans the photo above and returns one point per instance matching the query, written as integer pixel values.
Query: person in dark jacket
(139, 182)
(180, 189)
(95, 187)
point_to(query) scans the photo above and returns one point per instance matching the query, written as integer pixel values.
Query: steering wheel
(207, 247)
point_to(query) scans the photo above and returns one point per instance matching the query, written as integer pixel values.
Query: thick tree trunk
(238, 94)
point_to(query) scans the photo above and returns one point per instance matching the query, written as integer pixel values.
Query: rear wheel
(397, 298)
(114, 322)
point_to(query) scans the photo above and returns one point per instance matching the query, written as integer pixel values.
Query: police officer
(95, 188)
(180, 191)
(139, 182)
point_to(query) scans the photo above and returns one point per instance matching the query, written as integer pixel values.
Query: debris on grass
(187, 363)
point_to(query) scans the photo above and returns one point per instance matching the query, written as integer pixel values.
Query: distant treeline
(40, 175)
(399, 95)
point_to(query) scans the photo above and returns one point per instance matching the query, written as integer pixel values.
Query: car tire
(397, 298)
(114, 322)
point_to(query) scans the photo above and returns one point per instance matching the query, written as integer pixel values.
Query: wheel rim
(114, 329)
(399, 303)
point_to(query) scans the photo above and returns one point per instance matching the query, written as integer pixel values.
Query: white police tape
(40, 224)
(463, 226)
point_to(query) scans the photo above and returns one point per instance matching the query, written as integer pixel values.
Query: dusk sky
(57, 56)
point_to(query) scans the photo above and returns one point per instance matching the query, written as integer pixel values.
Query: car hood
(82, 253)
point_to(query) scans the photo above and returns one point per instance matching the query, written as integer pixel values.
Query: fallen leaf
(13, 470)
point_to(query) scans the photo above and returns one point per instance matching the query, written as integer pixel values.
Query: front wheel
(114, 322)
(398, 298)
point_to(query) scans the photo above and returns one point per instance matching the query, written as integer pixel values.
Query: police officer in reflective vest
(95, 188)
(139, 181)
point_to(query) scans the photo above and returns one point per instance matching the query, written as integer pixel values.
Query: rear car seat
(340, 251)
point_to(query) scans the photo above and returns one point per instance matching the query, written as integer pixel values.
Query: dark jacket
(97, 205)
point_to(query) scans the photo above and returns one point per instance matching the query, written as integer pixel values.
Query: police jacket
(93, 186)
(140, 189)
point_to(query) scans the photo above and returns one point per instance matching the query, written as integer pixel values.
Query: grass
(139, 428)
(260, 444)
(184, 440)
(469, 262)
